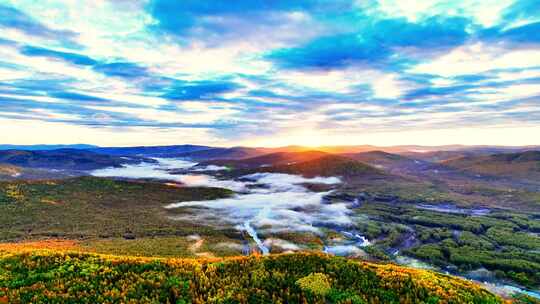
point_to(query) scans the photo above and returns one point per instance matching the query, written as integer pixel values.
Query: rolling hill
(62, 277)
(440, 156)
(272, 159)
(220, 153)
(148, 151)
(523, 165)
(45, 147)
(383, 159)
(329, 165)
(65, 159)
(92, 207)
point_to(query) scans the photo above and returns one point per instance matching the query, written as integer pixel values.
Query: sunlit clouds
(262, 73)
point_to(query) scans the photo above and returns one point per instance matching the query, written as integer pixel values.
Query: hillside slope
(220, 153)
(384, 159)
(71, 159)
(45, 147)
(46, 277)
(156, 151)
(524, 165)
(271, 159)
(91, 207)
(330, 165)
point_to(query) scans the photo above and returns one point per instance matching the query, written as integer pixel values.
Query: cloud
(522, 10)
(8, 42)
(121, 69)
(204, 89)
(529, 33)
(86, 110)
(271, 72)
(127, 70)
(13, 18)
(478, 58)
(375, 44)
(65, 56)
(75, 96)
(327, 53)
(203, 22)
(438, 91)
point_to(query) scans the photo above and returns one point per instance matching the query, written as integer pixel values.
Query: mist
(264, 203)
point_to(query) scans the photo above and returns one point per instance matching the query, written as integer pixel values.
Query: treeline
(55, 277)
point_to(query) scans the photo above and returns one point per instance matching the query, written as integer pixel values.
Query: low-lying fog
(269, 203)
(265, 203)
(160, 170)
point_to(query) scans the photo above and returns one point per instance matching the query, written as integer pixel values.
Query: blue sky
(261, 72)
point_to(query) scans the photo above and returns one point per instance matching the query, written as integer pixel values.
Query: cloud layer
(297, 72)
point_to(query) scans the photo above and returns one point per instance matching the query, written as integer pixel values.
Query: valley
(374, 206)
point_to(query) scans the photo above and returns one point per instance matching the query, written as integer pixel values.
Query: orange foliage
(51, 244)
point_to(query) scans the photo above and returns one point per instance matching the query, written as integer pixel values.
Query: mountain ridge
(518, 165)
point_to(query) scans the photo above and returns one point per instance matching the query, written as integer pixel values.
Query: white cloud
(424, 129)
(10, 74)
(484, 12)
(388, 87)
(412, 10)
(33, 131)
(511, 92)
(477, 58)
(332, 81)
(205, 116)
(160, 169)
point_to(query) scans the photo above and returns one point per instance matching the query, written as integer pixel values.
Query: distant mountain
(154, 151)
(326, 149)
(525, 165)
(477, 148)
(180, 151)
(441, 156)
(186, 148)
(272, 159)
(403, 149)
(220, 153)
(444, 153)
(66, 159)
(380, 158)
(348, 149)
(329, 165)
(45, 147)
(389, 149)
(284, 149)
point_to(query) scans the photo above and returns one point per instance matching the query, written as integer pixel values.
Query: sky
(270, 73)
